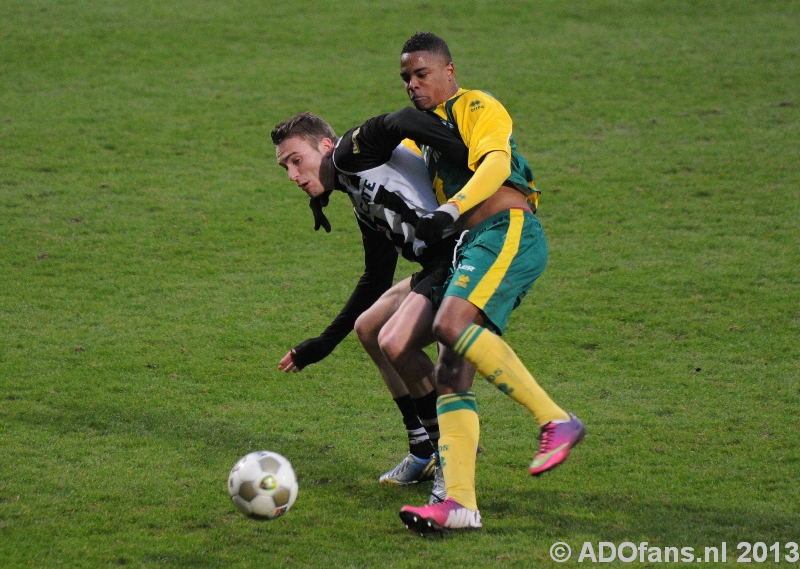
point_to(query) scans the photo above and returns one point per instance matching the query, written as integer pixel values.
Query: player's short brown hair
(307, 126)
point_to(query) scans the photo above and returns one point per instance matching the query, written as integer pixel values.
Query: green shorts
(497, 263)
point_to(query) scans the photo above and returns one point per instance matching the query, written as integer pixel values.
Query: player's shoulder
(343, 152)
(478, 93)
(475, 101)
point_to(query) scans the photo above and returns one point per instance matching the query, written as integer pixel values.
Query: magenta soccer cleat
(558, 437)
(440, 517)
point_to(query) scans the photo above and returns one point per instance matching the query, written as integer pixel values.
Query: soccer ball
(263, 485)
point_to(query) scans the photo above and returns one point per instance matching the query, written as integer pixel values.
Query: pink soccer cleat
(440, 517)
(558, 437)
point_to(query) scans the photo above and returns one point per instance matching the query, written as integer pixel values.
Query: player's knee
(365, 330)
(446, 330)
(390, 344)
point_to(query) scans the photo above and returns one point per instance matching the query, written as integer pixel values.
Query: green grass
(156, 264)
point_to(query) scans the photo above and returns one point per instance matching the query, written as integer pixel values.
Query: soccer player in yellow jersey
(492, 200)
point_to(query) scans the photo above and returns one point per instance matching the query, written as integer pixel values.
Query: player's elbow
(507, 168)
(392, 122)
(499, 162)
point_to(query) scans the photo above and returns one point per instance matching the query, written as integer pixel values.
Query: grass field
(156, 264)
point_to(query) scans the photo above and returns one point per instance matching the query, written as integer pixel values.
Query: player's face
(307, 166)
(429, 80)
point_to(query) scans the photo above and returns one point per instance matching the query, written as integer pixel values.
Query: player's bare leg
(368, 327)
(409, 396)
(404, 336)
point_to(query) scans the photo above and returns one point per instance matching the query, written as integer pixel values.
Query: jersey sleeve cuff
(451, 208)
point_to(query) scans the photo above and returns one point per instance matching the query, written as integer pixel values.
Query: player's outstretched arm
(371, 144)
(380, 260)
(422, 128)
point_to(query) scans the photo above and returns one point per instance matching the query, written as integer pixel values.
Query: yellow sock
(497, 362)
(460, 431)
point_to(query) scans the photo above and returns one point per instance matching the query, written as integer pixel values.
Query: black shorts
(424, 281)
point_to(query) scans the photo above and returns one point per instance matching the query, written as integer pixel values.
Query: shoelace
(547, 433)
(458, 244)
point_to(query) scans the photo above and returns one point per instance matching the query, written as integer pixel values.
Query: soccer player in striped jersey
(387, 183)
(491, 198)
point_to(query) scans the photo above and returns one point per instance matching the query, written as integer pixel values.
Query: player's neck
(452, 93)
(327, 173)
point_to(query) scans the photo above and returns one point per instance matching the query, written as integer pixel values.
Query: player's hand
(287, 363)
(430, 228)
(306, 353)
(320, 220)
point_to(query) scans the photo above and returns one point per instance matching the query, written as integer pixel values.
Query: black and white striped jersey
(387, 181)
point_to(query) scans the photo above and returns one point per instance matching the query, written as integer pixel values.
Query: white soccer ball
(263, 485)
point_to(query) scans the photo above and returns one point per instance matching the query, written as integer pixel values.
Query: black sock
(426, 412)
(419, 443)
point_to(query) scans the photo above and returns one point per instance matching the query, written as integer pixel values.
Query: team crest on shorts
(462, 281)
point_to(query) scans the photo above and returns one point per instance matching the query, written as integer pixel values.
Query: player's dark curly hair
(426, 41)
(307, 126)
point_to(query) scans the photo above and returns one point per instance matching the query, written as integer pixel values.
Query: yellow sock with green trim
(459, 428)
(497, 362)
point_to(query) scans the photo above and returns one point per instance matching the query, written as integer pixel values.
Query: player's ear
(326, 146)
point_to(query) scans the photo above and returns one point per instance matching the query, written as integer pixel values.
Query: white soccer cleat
(410, 471)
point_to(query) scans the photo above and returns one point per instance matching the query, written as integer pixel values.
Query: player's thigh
(409, 327)
(411, 323)
(453, 316)
(373, 319)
